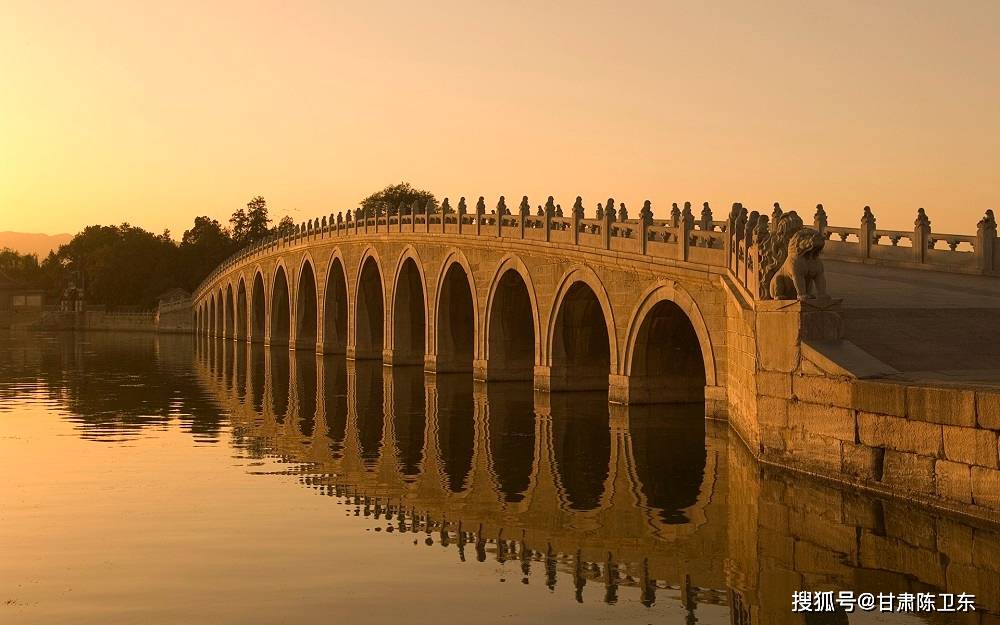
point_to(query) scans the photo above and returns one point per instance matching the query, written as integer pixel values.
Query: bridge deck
(931, 326)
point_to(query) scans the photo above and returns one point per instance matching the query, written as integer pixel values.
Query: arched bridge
(652, 310)
(545, 298)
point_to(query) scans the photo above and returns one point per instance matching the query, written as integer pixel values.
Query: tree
(389, 198)
(285, 226)
(251, 223)
(120, 265)
(203, 247)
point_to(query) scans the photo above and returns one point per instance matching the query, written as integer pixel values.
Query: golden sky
(153, 113)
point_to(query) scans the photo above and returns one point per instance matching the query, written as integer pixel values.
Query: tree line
(128, 267)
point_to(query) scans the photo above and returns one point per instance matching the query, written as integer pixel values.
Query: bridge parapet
(680, 237)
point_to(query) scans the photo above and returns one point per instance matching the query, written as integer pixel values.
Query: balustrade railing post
(921, 236)
(501, 209)
(645, 220)
(685, 226)
(986, 243)
(866, 233)
(480, 209)
(548, 213)
(608, 219)
(524, 210)
(428, 211)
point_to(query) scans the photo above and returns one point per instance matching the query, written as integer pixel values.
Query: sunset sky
(153, 113)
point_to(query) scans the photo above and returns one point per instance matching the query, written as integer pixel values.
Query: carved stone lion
(801, 275)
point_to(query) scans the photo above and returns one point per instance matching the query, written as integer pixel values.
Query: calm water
(164, 480)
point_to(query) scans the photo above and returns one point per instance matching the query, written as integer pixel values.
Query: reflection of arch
(456, 429)
(335, 304)
(306, 305)
(689, 510)
(230, 315)
(409, 420)
(241, 310)
(258, 307)
(408, 310)
(305, 392)
(510, 432)
(580, 448)
(280, 376)
(369, 308)
(220, 322)
(581, 348)
(456, 327)
(505, 307)
(280, 307)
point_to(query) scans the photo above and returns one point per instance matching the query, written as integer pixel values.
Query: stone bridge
(650, 311)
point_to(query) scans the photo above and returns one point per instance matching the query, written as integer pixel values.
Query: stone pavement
(931, 326)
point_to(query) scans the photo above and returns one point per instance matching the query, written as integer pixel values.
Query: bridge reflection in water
(596, 495)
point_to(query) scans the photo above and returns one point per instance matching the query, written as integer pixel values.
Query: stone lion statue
(801, 274)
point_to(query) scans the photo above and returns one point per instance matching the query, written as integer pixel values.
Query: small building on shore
(16, 297)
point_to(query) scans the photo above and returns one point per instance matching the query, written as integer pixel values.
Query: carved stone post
(819, 220)
(684, 237)
(428, 211)
(921, 236)
(609, 218)
(378, 213)
(461, 212)
(645, 220)
(577, 216)
(445, 209)
(480, 210)
(986, 243)
(706, 217)
(866, 234)
(550, 209)
(501, 209)
(524, 211)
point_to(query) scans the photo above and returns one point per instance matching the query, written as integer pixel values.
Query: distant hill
(33, 242)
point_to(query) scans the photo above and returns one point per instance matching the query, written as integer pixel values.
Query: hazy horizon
(155, 114)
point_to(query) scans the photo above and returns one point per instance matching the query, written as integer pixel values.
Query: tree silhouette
(389, 198)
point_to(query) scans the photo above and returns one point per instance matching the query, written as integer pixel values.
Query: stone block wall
(814, 536)
(937, 445)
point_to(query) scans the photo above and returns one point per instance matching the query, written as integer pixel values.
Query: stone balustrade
(739, 243)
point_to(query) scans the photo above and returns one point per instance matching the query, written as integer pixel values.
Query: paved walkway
(931, 326)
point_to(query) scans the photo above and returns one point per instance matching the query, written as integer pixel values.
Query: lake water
(173, 480)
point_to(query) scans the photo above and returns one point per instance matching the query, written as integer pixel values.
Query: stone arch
(241, 310)
(306, 305)
(408, 310)
(258, 307)
(229, 318)
(668, 349)
(280, 316)
(335, 305)
(456, 326)
(369, 308)
(582, 346)
(511, 309)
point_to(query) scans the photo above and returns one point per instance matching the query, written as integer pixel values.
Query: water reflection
(370, 411)
(279, 378)
(511, 433)
(625, 505)
(581, 446)
(409, 412)
(455, 427)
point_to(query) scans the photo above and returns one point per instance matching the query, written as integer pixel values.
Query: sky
(153, 113)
